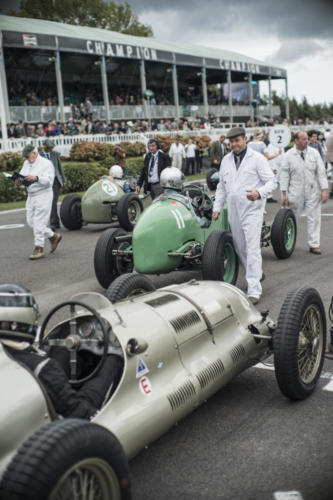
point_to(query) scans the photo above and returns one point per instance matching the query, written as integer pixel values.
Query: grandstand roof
(41, 34)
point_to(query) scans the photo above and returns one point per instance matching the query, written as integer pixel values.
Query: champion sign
(119, 50)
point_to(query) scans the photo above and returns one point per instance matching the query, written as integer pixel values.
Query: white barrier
(63, 143)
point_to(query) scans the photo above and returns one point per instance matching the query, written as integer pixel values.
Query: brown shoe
(55, 240)
(37, 253)
(316, 251)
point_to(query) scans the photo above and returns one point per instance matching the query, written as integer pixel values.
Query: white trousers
(38, 209)
(313, 220)
(177, 161)
(246, 234)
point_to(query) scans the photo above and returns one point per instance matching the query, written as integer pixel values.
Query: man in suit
(217, 152)
(59, 180)
(155, 161)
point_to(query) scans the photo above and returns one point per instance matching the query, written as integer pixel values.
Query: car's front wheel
(129, 209)
(70, 212)
(299, 343)
(129, 285)
(220, 260)
(68, 459)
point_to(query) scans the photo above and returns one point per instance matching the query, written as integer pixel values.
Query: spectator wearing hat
(155, 161)
(38, 173)
(217, 152)
(245, 181)
(59, 180)
(177, 153)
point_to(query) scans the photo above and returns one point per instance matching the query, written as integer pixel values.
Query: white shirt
(190, 150)
(154, 176)
(44, 170)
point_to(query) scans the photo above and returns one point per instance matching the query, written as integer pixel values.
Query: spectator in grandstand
(177, 153)
(90, 127)
(88, 108)
(190, 149)
(155, 161)
(57, 129)
(123, 127)
(20, 130)
(161, 126)
(59, 180)
(304, 186)
(11, 131)
(72, 128)
(217, 152)
(314, 143)
(31, 130)
(40, 130)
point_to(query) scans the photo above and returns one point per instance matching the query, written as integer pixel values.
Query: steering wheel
(208, 205)
(74, 341)
(198, 202)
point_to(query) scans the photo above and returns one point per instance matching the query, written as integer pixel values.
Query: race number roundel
(280, 136)
(109, 188)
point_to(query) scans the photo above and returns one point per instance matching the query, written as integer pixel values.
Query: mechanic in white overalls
(304, 185)
(38, 175)
(245, 181)
(177, 153)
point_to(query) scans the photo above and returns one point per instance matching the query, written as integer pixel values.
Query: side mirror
(136, 346)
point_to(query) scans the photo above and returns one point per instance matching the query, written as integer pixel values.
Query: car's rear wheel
(210, 184)
(299, 343)
(284, 233)
(220, 260)
(68, 459)
(129, 209)
(129, 285)
(70, 212)
(108, 266)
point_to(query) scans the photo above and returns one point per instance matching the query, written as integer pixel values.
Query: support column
(204, 92)
(175, 91)
(105, 89)
(230, 96)
(4, 90)
(270, 97)
(57, 64)
(251, 98)
(144, 87)
(287, 100)
(3, 118)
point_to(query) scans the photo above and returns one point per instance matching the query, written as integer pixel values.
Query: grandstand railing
(35, 114)
(64, 143)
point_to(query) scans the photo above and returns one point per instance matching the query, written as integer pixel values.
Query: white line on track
(324, 375)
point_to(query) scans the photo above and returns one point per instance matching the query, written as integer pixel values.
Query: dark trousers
(155, 189)
(54, 218)
(190, 166)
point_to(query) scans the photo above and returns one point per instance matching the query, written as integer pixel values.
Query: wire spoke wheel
(229, 263)
(89, 479)
(289, 234)
(310, 344)
(134, 210)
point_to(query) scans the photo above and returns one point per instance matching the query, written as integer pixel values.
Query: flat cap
(29, 148)
(235, 132)
(48, 143)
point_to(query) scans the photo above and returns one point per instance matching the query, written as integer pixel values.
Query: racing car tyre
(64, 456)
(70, 212)
(129, 208)
(108, 266)
(128, 285)
(211, 185)
(284, 233)
(299, 343)
(220, 260)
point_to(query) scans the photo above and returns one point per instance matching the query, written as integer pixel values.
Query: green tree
(95, 13)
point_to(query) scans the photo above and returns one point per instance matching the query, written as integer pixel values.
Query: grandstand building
(48, 69)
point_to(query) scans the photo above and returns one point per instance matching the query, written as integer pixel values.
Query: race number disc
(280, 136)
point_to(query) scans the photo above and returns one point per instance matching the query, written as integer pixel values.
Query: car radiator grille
(161, 301)
(182, 395)
(237, 352)
(210, 374)
(184, 321)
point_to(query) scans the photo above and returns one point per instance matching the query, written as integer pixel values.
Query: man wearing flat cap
(59, 180)
(39, 173)
(245, 181)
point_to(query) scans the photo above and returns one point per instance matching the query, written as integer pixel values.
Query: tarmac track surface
(247, 441)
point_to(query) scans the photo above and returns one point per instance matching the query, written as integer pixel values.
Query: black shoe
(271, 200)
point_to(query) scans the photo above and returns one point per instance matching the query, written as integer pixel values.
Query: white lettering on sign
(120, 50)
(145, 386)
(109, 188)
(89, 47)
(12, 226)
(99, 48)
(129, 50)
(109, 50)
(280, 136)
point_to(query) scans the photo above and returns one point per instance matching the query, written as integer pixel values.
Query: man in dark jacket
(155, 161)
(59, 180)
(217, 152)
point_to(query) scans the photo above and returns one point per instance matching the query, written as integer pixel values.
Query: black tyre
(129, 209)
(220, 261)
(210, 184)
(128, 285)
(299, 343)
(64, 458)
(108, 266)
(70, 212)
(284, 233)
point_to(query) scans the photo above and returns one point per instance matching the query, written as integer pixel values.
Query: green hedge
(82, 175)
(134, 165)
(10, 162)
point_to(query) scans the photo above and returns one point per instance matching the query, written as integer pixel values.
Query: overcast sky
(292, 34)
